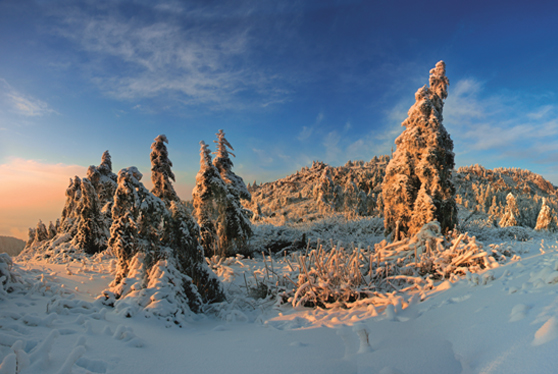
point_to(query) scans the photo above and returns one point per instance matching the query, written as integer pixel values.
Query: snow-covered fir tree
(107, 183)
(209, 197)
(423, 161)
(91, 235)
(51, 230)
(69, 212)
(31, 237)
(123, 231)
(161, 173)
(224, 165)
(233, 225)
(182, 235)
(545, 220)
(41, 233)
(511, 214)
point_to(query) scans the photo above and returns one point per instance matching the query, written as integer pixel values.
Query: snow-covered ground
(504, 320)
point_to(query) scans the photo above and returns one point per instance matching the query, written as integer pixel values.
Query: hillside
(10, 245)
(355, 189)
(314, 192)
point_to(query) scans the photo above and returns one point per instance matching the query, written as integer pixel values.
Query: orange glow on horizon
(31, 190)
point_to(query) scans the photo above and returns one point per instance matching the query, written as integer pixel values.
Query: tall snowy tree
(224, 164)
(545, 220)
(41, 233)
(182, 235)
(233, 225)
(161, 173)
(422, 165)
(123, 231)
(105, 184)
(209, 197)
(69, 212)
(51, 230)
(511, 214)
(91, 235)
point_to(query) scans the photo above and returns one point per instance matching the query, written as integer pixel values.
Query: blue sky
(288, 81)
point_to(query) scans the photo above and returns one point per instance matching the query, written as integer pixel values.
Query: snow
(501, 320)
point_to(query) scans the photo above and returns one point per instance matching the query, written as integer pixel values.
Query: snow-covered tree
(182, 235)
(91, 235)
(160, 262)
(161, 173)
(41, 233)
(69, 212)
(233, 225)
(511, 214)
(208, 195)
(51, 230)
(123, 231)
(31, 237)
(224, 164)
(423, 161)
(545, 220)
(105, 185)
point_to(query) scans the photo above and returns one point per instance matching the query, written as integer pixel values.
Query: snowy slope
(501, 321)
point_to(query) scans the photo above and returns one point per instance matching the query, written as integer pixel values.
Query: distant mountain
(11, 245)
(355, 189)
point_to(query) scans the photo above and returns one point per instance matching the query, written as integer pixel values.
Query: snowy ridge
(299, 196)
(314, 192)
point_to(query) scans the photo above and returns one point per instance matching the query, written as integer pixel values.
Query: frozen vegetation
(327, 270)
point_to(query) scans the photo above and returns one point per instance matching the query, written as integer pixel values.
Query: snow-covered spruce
(224, 223)
(147, 276)
(233, 225)
(208, 196)
(85, 220)
(161, 265)
(546, 220)
(161, 173)
(512, 216)
(417, 187)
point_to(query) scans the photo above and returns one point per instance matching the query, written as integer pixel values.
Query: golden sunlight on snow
(32, 190)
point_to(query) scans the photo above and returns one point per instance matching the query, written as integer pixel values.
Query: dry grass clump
(348, 276)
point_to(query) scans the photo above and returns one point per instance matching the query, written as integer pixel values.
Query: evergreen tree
(224, 165)
(233, 225)
(161, 173)
(69, 212)
(91, 233)
(209, 197)
(105, 168)
(123, 232)
(545, 220)
(106, 185)
(423, 161)
(41, 233)
(51, 230)
(511, 215)
(31, 237)
(182, 235)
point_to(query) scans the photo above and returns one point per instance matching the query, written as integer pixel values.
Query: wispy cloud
(22, 104)
(307, 131)
(189, 57)
(517, 128)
